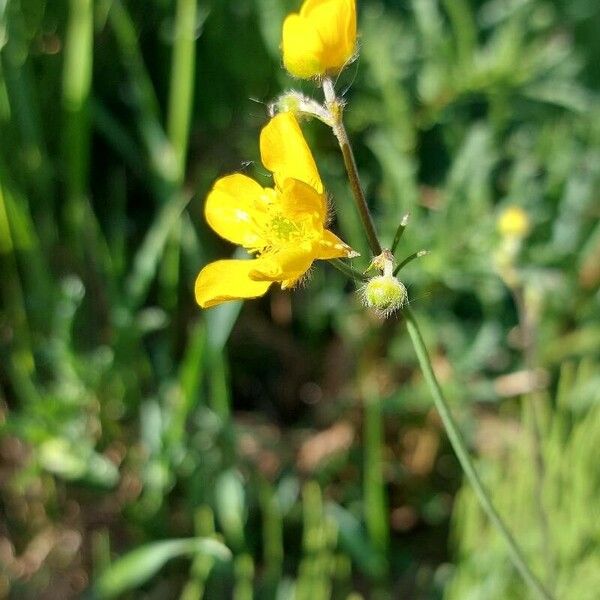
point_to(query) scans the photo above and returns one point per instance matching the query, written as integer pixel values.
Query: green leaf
(354, 541)
(141, 564)
(148, 255)
(77, 463)
(230, 502)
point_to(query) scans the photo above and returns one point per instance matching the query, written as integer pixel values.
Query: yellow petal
(226, 280)
(310, 6)
(299, 200)
(331, 246)
(235, 209)
(321, 38)
(302, 48)
(288, 264)
(335, 22)
(286, 154)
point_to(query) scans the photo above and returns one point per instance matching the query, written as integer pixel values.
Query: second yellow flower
(320, 39)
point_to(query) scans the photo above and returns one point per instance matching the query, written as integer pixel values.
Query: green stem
(399, 233)
(77, 81)
(202, 565)
(347, 270)
(374, 498)
(408, 259)
(181, 94)
(462, 454)
(14, 297)
(458, 444)
(335, 108)
(272, 535)
(181, 90)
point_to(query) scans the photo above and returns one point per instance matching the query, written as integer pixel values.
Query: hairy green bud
(385, 294)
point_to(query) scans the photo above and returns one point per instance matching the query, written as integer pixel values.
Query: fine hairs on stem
(335, 108)
(515, 552)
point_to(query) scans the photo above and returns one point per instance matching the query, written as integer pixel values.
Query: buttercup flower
(320, 39)
(513, 222)
(283, 226)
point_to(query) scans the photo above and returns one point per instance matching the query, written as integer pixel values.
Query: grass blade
(139, 565)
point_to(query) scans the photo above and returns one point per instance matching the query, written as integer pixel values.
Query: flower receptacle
(385, 294)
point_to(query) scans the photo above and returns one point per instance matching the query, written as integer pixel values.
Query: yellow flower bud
(385, 294)
(320, 39)
(513, 222)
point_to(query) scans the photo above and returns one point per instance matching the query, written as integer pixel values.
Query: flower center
(278, 227)
(284, 229)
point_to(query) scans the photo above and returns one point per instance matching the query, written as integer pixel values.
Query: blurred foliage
(300, 434)
(571, 559)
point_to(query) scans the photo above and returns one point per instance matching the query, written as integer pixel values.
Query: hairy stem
(462, 454)
(347, 270)
(335, 108)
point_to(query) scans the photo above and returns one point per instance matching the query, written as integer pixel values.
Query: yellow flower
(283, 226)
(513, 222)
(320, 39)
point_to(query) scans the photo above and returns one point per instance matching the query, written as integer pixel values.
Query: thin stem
(347, 270)
(181, 89)
(399, 233)
(181, 92)
(272, 534)
(14, 296)
(77, 81)
(335, 108)
(374, 497)
(462, 454)
(408, 259)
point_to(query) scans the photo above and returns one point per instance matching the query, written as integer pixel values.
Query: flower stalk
(409, 259)
(464, 458)
(335, 108)
(348, 271)
(399, 233)
(284, 227)
(515, 552)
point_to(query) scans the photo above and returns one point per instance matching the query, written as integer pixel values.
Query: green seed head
(384, 294)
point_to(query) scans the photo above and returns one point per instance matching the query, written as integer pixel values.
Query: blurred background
(296, 429)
